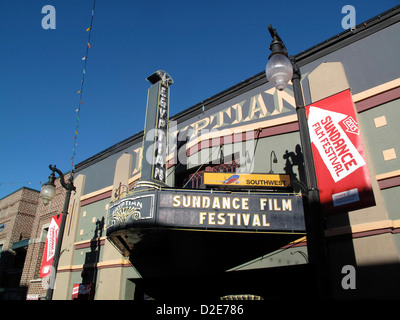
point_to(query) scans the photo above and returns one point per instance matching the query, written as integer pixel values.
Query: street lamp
(279, 70)
(48, 193)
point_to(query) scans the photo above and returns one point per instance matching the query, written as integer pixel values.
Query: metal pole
(69, 187)
(315, 224)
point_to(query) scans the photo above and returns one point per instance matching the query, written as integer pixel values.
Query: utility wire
(78, 109)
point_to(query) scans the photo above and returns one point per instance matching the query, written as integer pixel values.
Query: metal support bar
(315, 223)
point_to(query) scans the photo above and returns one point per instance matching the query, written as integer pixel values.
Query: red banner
(342, 173)
(82, 291)
(50, 246)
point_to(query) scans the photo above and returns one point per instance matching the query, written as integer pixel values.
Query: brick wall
(17, 212)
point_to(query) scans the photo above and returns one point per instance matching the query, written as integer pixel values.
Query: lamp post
(48, 193)
(279, 70)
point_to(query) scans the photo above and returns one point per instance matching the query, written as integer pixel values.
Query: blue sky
(206, 47)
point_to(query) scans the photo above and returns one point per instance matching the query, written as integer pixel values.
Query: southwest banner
(255, 180)
(342, 173)
(50, 246)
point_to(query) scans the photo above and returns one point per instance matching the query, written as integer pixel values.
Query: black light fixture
(279, 72)
(48, 193)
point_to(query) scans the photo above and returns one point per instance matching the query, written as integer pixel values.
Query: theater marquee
(206, 210)
(235, 211)
(153, 207)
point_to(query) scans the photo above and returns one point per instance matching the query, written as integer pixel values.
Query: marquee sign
(235, 211)
(150, 207)
(342, 172)
(131, 211)
(254, 180)
(208, 210)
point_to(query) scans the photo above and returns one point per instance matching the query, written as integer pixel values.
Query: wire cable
(78, 109)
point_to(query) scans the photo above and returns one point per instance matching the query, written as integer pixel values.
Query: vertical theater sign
(156, 130)
(153, 205)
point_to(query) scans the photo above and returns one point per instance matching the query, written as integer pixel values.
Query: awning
(20, 244)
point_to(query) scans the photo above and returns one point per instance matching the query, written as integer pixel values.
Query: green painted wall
(384, 137)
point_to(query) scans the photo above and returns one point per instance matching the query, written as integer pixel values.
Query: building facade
(17, 214)
(250, 127)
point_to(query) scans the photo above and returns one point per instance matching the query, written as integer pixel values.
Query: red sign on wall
(342, 173)
(50, 246)
(82, 291)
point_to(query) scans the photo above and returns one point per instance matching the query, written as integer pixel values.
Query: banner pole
(314, 219)
(52, 281)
